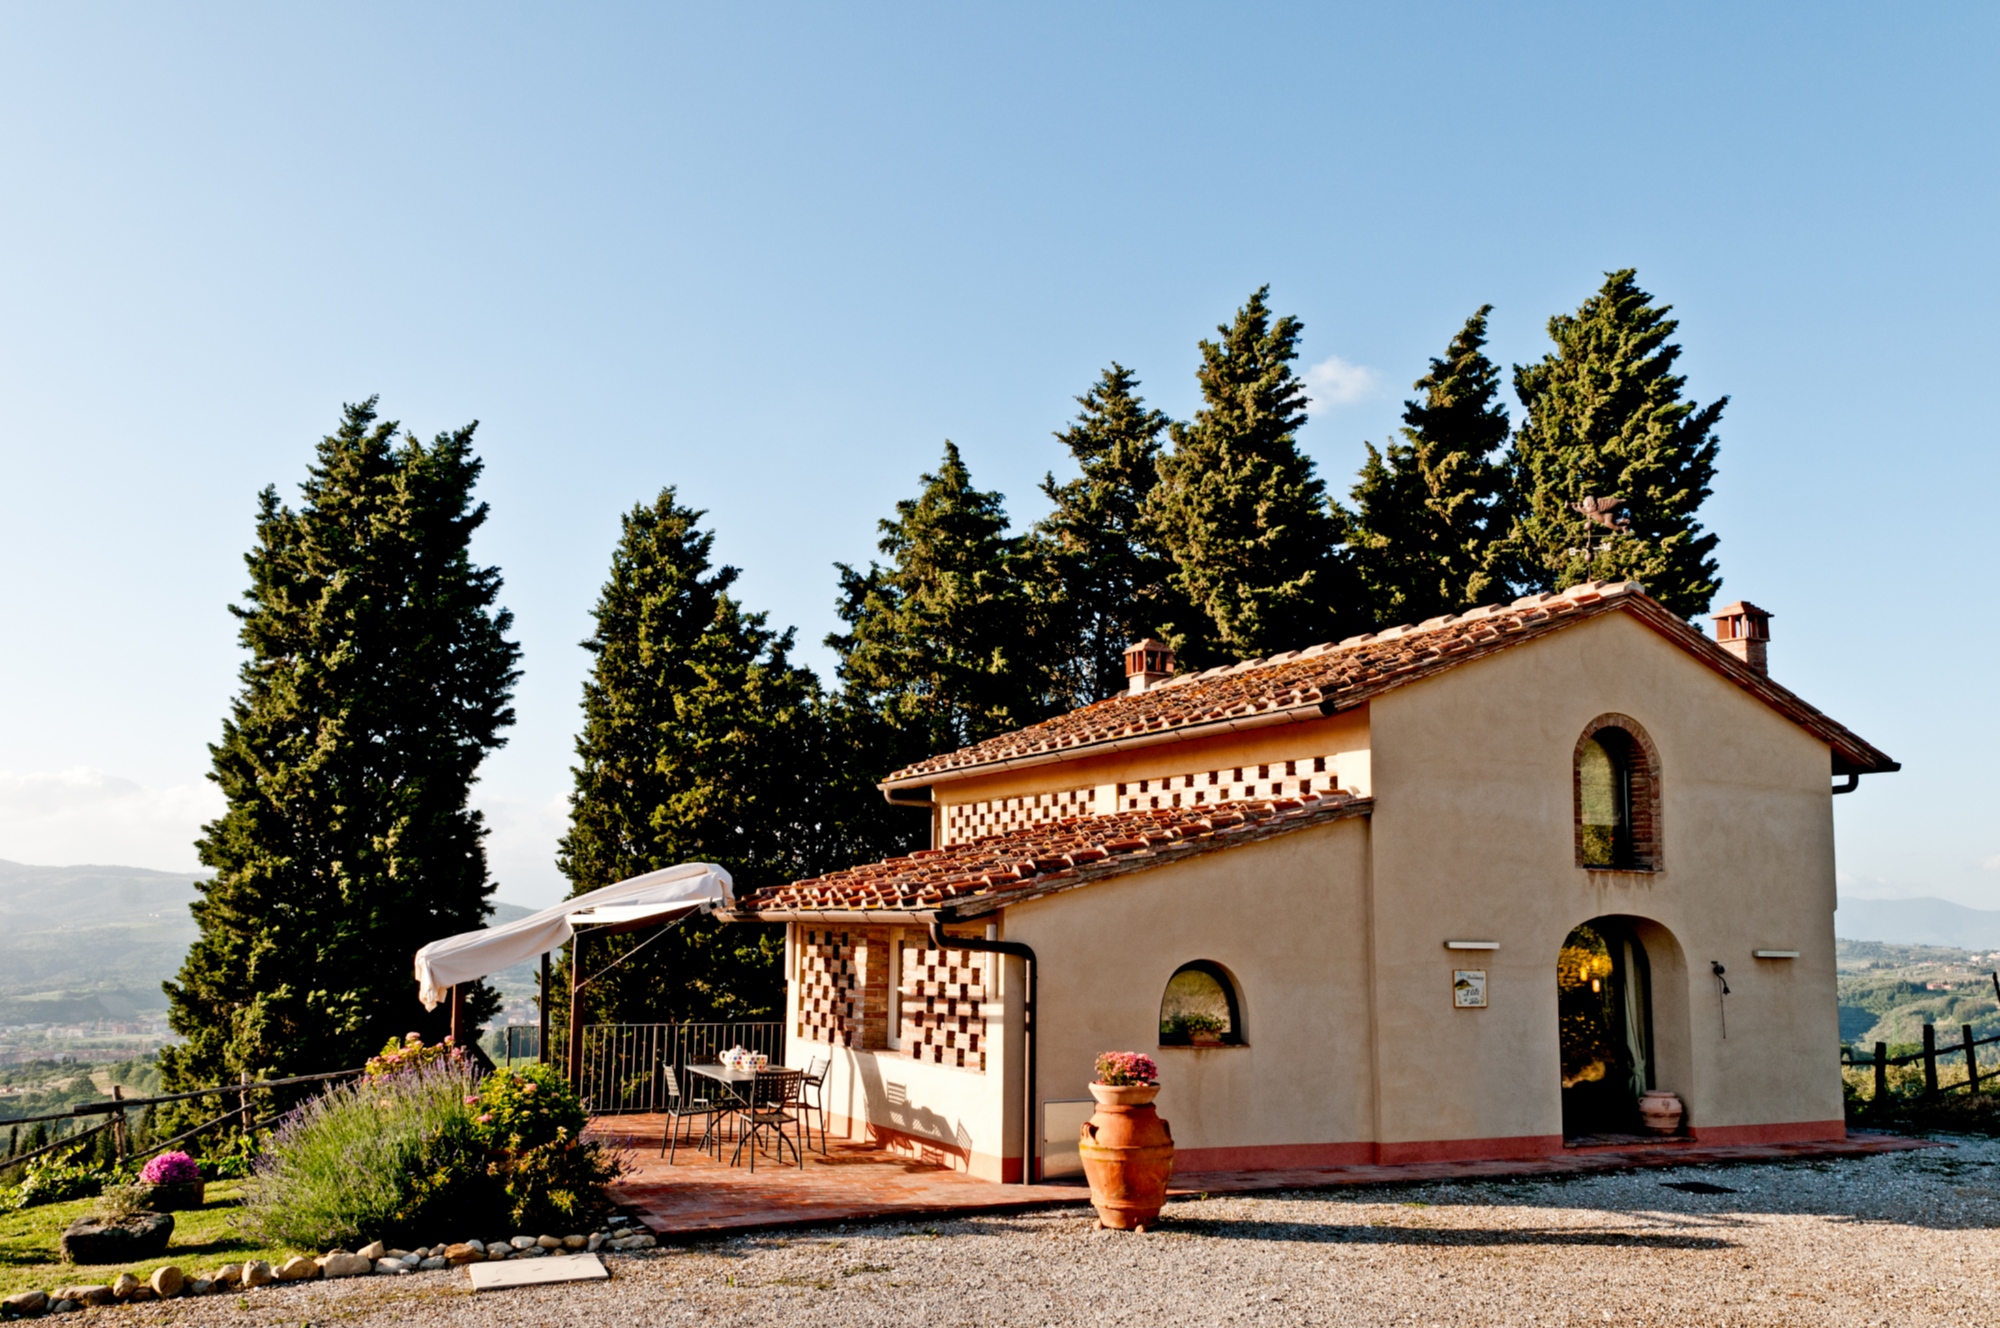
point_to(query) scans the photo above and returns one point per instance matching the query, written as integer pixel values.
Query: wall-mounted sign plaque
(1468, 988)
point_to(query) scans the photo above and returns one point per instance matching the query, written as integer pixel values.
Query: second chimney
(1744, 630)
(1146, 663)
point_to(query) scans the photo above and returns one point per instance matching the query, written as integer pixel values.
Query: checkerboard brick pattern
(942, 1003)
(844, 987)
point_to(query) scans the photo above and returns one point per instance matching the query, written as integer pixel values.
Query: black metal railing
(621, 1062)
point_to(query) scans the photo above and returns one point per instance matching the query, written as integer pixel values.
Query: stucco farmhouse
(1454, 891)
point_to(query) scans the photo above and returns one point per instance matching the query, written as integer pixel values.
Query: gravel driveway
(1904, 1238)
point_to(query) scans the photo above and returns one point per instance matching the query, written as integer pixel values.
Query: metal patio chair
(812, 1098)
(680, 1107)
(771, 1105)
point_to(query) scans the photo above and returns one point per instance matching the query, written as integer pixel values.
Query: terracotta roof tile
(1327, 678)
(987, 873)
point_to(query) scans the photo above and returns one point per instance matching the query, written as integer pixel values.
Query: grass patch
(205, 1237)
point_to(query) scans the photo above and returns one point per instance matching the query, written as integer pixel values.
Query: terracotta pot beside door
(1128, 1154)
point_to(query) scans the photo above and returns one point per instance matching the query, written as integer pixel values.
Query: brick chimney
(1744, 630)
(1147, 663)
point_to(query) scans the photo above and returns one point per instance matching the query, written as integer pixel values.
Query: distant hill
(1918, 922)
(98, 941)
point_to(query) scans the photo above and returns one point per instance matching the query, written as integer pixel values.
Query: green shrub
(550, 1177)
(528, 1107)
(419, 1155)
(380, 1158)
(558, 1185)
(50, 1181)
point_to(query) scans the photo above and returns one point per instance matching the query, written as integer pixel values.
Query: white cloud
(1990, 864)
(84, 815)
(1333, 382)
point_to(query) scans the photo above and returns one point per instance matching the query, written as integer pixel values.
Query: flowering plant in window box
(1201, 1030)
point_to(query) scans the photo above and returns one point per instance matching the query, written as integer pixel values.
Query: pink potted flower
(1127, 1150)
(173, 1181)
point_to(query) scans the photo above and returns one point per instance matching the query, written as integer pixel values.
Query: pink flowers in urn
(171, 1169)
(1118, 1069)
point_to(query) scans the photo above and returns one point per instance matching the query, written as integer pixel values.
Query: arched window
(1199, 1008)
(1617, 797)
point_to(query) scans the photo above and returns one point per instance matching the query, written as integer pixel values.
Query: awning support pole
(576, 981)
(542, 1040)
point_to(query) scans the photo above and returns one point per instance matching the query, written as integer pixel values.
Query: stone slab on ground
(537, 1272)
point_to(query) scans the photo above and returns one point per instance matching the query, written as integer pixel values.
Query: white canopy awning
(444, 964)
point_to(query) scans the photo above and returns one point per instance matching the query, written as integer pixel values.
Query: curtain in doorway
(1635, 1019)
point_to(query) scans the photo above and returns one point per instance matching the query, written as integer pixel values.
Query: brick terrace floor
(860, 1182)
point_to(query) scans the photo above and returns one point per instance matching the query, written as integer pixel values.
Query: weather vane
(1600, 512)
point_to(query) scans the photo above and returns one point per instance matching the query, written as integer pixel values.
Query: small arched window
(1199, 1008)
(1617, 797)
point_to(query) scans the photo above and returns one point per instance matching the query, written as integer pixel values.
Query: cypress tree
(1606, 419)
(701, 742)
(1427, 533)
(937, 648)
(378, 678)
(1099, 584)
(1240, 509)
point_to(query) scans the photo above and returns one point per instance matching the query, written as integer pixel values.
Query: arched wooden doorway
(1605, 1016)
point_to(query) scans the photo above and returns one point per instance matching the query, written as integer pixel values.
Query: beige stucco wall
(1286, 918)
(1473, 840)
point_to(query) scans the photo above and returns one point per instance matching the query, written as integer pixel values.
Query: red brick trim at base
(922, 1148)
(1789, 1132)
(1507, 1148)
(1273, 1157)
(1298, 1157)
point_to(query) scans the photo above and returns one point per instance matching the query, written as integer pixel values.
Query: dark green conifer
(1240, 509)
(1097, 583)
(1606, 420)
(378, 677)
(1426, 531)
(701, 743)
(937, 647)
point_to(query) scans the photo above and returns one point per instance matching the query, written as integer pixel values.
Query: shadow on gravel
(1945, 1190)
(1331, 1233)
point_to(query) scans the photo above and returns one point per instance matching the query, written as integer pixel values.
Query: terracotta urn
(1660, 1111)
(1128, 1154)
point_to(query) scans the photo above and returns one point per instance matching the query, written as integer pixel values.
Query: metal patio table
(733, 1081)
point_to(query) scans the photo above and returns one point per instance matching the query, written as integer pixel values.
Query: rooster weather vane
(1600, 512)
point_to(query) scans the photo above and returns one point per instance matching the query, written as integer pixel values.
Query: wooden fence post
(243, 1117)
(120, 1140)
(1881, 1104)
(1971, 1059)
(1930, 1060)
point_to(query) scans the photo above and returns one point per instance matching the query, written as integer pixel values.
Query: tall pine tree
(1099, 583)
(702, 742)
(1606, 419)
(379, 676)
(1427, 530)
(937, 647)
(1240, 509)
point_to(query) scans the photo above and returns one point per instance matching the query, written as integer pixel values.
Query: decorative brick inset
(1301, 776)
(1295, 777)
(967, 821)
(844, 987)
(943, 995)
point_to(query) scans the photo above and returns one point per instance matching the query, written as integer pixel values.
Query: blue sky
(776, 255)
